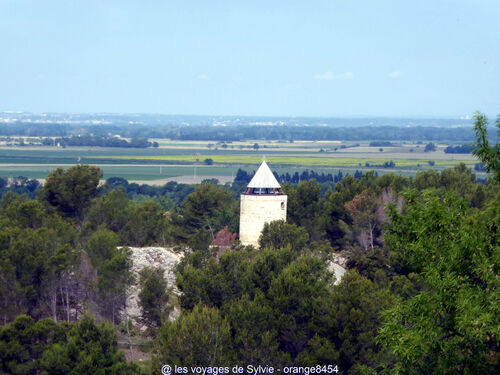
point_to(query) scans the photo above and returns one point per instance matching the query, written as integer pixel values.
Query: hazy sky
(272, 57)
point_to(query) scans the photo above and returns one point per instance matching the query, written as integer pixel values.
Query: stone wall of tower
(255, 211)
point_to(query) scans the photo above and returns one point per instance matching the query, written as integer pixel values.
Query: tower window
(282, 205)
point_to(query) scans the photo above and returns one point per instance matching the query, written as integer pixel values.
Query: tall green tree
(147, 225)
(211, 208)
(70, 191)
(110, 210)
(37, 256)
(489, 155)
(362, 210)
(153, 296)
(114, 273)
(294, 296)
(135, 224)
(255, 335)
(345, 190)
(305, 207)
(200, 337)
(355, 317)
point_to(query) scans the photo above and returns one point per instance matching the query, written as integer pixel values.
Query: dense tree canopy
(452, 325)
(44, 347)
(420, 295)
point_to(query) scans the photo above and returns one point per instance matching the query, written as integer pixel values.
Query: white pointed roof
(264, 178)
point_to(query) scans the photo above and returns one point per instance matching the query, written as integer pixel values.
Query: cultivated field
(187, 161)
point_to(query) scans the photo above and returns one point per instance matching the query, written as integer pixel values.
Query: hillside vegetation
(421, 295)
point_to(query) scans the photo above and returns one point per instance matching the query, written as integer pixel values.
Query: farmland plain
(196, 160)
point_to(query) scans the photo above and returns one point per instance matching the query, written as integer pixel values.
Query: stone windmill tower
(262, 202)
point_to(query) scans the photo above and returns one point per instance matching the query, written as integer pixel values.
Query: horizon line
(409, 116)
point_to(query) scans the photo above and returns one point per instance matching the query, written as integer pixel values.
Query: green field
(184, 161)
(286, 160)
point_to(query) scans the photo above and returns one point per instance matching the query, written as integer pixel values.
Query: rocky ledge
(156, 257)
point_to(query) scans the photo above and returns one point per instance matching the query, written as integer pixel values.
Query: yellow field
(321, 161)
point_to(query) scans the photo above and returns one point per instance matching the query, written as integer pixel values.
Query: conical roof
(264, 178)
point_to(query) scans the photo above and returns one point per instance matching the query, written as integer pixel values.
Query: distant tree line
(170, 195)
(19, 185)
(288, 133)
(381, 144)
(285, 133)
(96, 141)
(459, 149)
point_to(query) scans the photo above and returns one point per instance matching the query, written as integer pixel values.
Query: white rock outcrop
(337, 265)
(156, 257)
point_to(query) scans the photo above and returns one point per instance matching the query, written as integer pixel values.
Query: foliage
(44, 347)
(200, 337)
(24, 341)
(199, 130)
(213, 283)
(355, 318)
(70, 191)
(489, 155)
(435, 272)
(429, 147)
(110, 211)
(36, 257)
(362, 210)
(458, 149)
(113, 267)
(278, 302)
(136, 225)
(380, 144)
(460, 180)
(294, 295)
(90, 349)
(304, 204)
(209, 207)
(335, 212)
(97, 141)
(19, 185)
(279, 234)
(153, 296)
(147, 225)
(452, 326)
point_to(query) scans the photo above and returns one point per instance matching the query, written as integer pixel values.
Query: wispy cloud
(203, 77)
(396, 74)
(330, 76)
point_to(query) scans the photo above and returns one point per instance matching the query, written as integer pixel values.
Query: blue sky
(232, 57)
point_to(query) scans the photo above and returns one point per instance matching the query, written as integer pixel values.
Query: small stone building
(262, 202)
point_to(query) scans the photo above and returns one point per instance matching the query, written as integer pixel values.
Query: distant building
(262, 202)
(223, 240)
